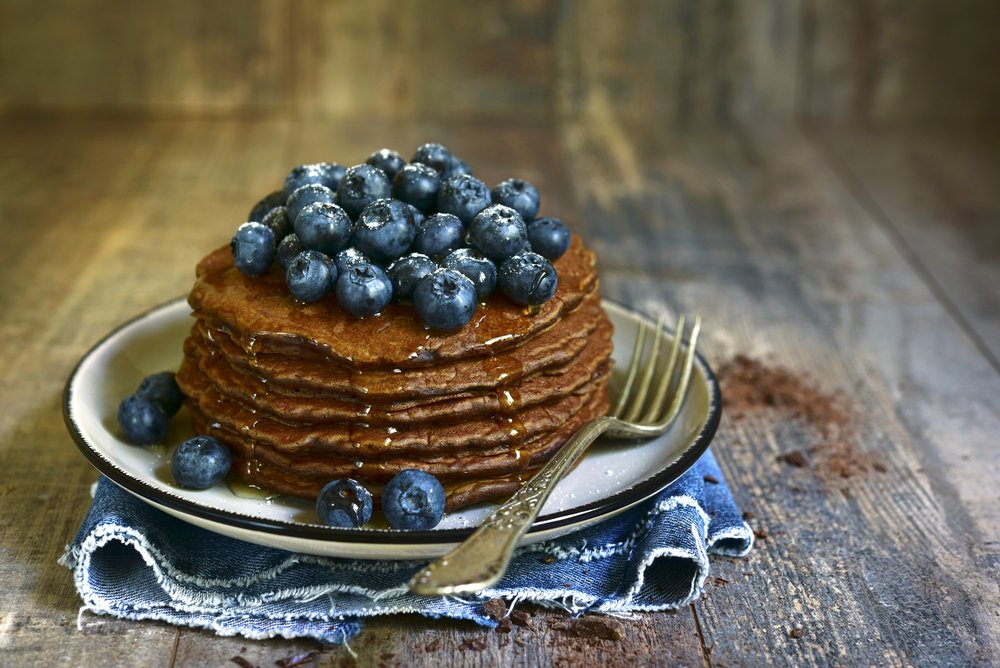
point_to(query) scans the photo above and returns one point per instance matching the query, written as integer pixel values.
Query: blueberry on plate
(349, 257)
(344, 503)
(142, 421)
(260, 209)
(200, 462)
(311, 193)
(162, 388)
(289, 247)
(325, 227)
(476, 267)
(406, 271)
(362, 185)
(322, 173)
(518, 195)
(413, 500)
(277, 220)
(463, 196)
(433, 155)
(387, 160)
(548, 237)
(385, 229)
(311, 276)
(364, 290)
(498, 232)
(445, 299)
(417, 184)
(253, 248)
(528, 279)
(438, 234)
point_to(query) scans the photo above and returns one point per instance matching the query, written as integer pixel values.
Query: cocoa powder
(751, 387)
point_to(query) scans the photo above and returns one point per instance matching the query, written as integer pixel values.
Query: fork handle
(482, 558)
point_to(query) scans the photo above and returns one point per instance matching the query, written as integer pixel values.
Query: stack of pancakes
(306, 393)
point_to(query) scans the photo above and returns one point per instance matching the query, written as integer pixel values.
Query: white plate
(611, 478)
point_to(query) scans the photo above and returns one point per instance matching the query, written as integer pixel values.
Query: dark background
(677, 63)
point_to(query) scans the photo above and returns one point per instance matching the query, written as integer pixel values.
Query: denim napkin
(133, 561)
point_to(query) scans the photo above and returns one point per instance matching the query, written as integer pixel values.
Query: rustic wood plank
(182, 57)
(878, 63)
(760, 234)
(935, 193)
(679, 63)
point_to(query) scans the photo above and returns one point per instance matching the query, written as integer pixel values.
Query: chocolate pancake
(310, 374)
(269, 399)
(306, 393)
(261, 312)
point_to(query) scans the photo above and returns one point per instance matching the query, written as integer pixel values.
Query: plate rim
(608, 506)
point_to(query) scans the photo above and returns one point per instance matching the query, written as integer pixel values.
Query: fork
(482, 558)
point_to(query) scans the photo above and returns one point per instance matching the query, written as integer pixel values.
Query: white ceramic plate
(611, 478)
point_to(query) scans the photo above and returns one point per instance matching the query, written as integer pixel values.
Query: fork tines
(638, 401)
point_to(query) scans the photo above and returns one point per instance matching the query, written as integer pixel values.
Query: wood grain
(676, 62)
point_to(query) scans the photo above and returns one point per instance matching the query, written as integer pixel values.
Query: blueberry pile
(425, 232)
(144, 418)
(413, 500)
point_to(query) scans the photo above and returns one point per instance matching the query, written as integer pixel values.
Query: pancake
(557, 344)
(268, 398)
(262, 314)
(306, 393)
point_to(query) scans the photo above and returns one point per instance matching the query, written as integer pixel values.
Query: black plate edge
(627, 497)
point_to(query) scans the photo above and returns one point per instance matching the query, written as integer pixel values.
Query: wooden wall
(677, 62)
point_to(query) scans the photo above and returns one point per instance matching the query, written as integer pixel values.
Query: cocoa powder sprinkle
(751, 387)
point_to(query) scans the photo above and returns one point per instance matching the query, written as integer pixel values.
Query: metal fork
(640, 412)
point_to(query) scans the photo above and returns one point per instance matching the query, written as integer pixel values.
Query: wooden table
(867, 264)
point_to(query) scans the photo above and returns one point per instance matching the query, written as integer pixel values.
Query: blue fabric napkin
(133, 561)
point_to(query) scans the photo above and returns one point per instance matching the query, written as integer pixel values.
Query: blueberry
(324, 226)
(344, 503)
(418, 216)
(322, 173)
(528, 279)
(162, 389)
(143, 421)
(438, 234)
(362, 185)
(200, 462)
(518, 195)
(434, 156)
(445, 299)
(386, 229)
(388, 161)
(463, 196)
(311, 193)
(406, 271)
(498, 232)
(364, 290)
(548, 237)
(277, 220)
(253, 248)
(289, 247)
(332, 173)
(417, 184)
(311, 276)
(260, 209)
(349, 257)
(476, 267)
(413, 500)
(455, 167)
